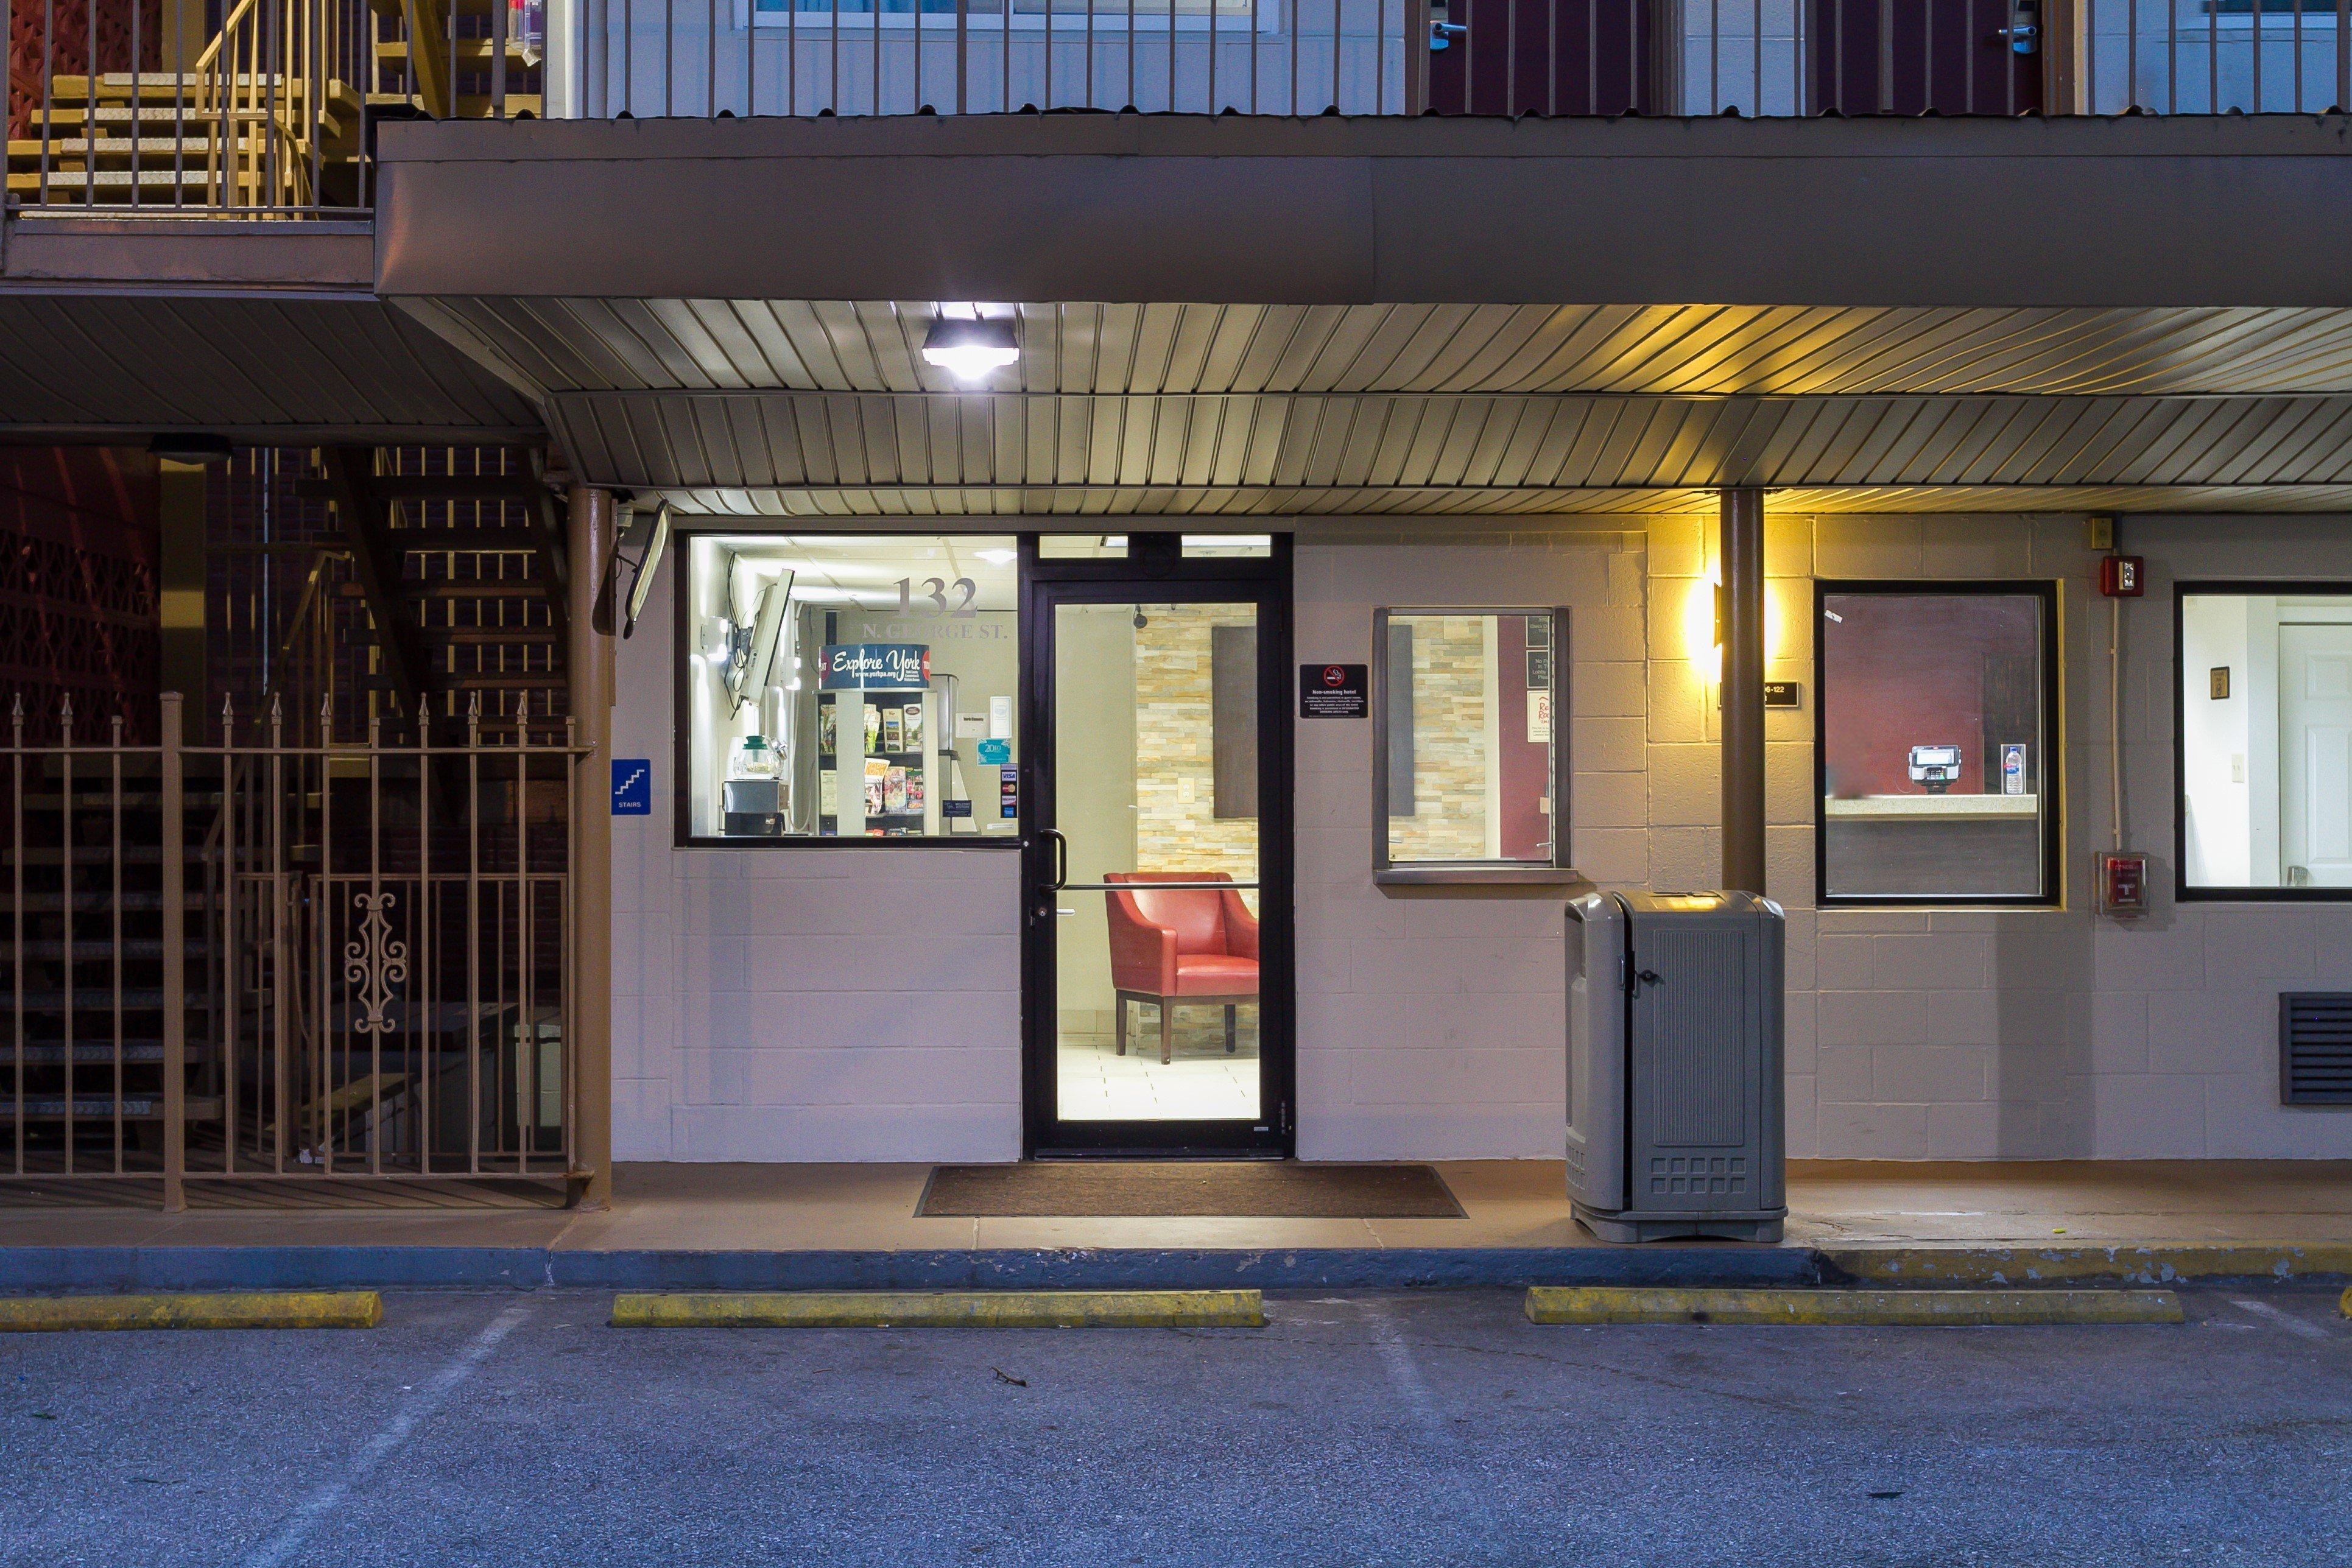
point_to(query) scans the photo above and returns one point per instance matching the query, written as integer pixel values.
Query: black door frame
(1156, 568)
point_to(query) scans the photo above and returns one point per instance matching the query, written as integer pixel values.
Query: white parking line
(323, 1501)
(2287, 1321)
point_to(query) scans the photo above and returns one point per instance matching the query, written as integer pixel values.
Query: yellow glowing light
(1700, 631)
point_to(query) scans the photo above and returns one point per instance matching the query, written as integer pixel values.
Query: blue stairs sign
(633, 787)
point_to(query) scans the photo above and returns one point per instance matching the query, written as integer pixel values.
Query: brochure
(894, 791)
(825, 716)
(914, 726)
(893, 730)
(877, 773)
(914, 790)
(873, 725)
(828, 793)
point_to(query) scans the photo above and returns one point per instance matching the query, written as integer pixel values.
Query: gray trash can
(1675, 1062)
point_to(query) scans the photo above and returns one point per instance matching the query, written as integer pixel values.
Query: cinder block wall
(820, 1005)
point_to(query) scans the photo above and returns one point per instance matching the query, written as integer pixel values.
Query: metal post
(1742, 549)
(589, 546)
(175, 965)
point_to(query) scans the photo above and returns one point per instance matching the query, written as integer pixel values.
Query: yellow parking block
(942, 1309)
(2344, 1305)
(1896, 1309)
(236, 1309)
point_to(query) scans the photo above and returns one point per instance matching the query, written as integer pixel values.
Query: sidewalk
(778, 1225)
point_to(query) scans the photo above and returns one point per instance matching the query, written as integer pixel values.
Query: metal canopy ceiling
(253, 367)
(799, 407)
(699, 345)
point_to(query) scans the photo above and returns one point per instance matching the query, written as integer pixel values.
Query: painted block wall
(2029, 1034)
(1430, 1020)
(855, 1004)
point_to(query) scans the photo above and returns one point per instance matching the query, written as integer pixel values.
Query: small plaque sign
(1334, 691)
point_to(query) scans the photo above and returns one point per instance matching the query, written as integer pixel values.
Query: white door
(2314, 684)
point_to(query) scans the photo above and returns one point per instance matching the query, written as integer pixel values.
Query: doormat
(1252, 1189)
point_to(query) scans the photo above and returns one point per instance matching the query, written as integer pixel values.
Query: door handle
(1440, 34)
(1061, 857)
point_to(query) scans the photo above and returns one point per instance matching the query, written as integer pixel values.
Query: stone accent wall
(1176, 824)
(1449, 742)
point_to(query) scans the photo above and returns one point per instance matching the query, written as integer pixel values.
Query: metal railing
(116, 104)
(289, 956)
(709, 57)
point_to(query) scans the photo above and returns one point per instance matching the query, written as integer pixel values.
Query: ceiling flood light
(969, 347)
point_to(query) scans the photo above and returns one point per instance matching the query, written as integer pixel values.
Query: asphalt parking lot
(1425, 1429)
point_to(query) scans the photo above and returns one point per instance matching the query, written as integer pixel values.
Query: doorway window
(2264, 740)
(857, 688)
(1156, 799)
(1936, 745)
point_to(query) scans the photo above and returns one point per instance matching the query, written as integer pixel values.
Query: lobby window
(850, 688)
(2264, 741)
(1468, 753)
(1935, 750)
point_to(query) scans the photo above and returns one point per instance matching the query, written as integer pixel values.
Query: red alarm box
(2123, 886)
(2122, 576)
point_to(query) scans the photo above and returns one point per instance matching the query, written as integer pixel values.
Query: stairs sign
(633, 787)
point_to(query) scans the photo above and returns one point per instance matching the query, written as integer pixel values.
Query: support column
(1742, 553)
(588, 550)
(180, 579)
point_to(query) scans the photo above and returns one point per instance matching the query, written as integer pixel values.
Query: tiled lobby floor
(1507, 1202)
(1096, 1083)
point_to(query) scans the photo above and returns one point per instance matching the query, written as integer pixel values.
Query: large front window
(2265, 739)
(851, 688)
(1938, 781)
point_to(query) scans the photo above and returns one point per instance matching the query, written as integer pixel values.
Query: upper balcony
(271, 108)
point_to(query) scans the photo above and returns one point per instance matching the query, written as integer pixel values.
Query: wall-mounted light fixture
(968, 348)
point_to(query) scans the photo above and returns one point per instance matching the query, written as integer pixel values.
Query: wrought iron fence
(289, 956)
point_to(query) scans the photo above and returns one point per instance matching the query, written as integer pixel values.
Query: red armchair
(1181, 945)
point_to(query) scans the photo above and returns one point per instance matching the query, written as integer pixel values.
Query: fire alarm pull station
(2123, 885)
(2122, 576)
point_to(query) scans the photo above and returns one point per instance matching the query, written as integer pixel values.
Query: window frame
(679, 556)
(1558, 870)
(2182, 892)
(2053, 763)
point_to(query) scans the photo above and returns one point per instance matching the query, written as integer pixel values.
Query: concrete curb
(1995, 1267)
(30, 1270)
(25, 1270)
(272, 1309)
(1855, 1309)
(944, 1309)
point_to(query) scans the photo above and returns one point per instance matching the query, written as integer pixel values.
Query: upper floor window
(1936, 743)
(2264, 742)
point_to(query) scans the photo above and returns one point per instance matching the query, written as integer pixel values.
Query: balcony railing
(134, 106)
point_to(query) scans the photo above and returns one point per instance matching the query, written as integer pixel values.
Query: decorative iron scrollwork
(375, 963)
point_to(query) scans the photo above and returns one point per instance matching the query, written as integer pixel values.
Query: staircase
(462, 573)
(275, 111)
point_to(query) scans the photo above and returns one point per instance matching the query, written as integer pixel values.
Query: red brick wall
(78, 606)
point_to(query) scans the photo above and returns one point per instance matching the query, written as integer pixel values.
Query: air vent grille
(2315, 1048)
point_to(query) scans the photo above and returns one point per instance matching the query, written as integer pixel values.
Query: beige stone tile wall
(1176, 823)
(1450, 763)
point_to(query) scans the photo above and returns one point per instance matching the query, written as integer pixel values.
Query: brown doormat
(1255, 1189)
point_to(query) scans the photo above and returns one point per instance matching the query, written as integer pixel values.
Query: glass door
(1157, 920)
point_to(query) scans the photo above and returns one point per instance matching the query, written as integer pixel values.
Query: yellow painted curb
(1822, 1309)
(244, 1310)
(942, 1309)
(2345, 1305)
(1990, 1267)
